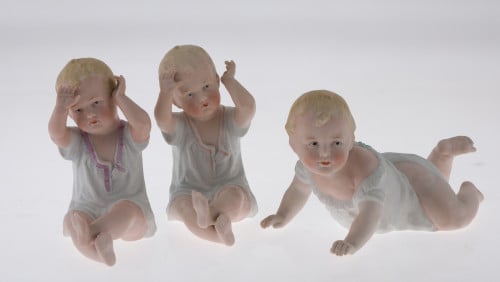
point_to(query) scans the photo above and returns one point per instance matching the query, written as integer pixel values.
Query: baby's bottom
(211, 219)
(94, 238)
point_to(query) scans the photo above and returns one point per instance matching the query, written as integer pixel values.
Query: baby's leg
(231, 201)
(444, 152)
(182, 210)
(124, 221)
(445, 209)
(76, 225)
(202, 208)
(104, 247)
(229, 204)
(223, 226)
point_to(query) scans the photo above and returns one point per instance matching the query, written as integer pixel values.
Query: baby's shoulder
(363, 161)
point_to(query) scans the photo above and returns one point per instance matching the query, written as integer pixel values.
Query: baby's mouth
(325, 163)
(93, 123)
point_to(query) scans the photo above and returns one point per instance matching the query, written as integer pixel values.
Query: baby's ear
(292, 143)
(353, 140)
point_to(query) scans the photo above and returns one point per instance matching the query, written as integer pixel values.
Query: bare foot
(81, 229)
(471, 187)
(455, 146)
(200, 205)
(224, 229)
(104, 248)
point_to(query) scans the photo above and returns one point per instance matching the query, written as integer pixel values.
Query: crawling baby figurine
(109, 198)
(209, 189)
(364, 190)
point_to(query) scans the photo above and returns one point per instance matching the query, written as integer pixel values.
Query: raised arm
(293, 201)
(58, 130)
(362, 229)
(242, 99)
(163, 109)
(138, 120)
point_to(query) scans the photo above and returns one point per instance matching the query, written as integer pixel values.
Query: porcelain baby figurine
(109, 198)
(209, 189)
(364, 190)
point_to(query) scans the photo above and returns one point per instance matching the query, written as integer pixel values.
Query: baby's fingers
(268, 221)
(275, 221)
(230, 64)
(168, 75)
(340, 248)
(66, 90)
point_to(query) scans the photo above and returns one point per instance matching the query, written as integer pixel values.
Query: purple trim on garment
(118, 156)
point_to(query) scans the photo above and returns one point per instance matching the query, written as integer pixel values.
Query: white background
(412, 71)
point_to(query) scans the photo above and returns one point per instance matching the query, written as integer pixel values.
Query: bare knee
(230, 191)
(233, 201)
(452, 222)
(458, 216)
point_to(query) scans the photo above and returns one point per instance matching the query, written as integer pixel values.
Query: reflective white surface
(412, 72)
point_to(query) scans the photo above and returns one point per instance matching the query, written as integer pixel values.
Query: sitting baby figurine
(109, 195)
(209, 189)
(364, 190)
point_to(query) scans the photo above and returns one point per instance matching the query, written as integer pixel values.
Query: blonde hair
(185, 58)
(76, 70)
(324, 104)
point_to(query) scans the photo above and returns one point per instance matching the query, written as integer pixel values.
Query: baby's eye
(189, 94)
(205, 86)
(77, 110)
(96, 102)
(337, 143)
(313, 144)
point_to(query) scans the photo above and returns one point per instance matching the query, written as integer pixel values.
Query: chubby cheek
(339, 157)
(309, 159)
(191, 108)
(214, 98)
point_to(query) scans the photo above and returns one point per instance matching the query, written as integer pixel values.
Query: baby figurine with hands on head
(109, 199)
(367, 191)
(209, 189)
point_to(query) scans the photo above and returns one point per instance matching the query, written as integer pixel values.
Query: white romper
(204, 168)
(387, 186)
(97, 186)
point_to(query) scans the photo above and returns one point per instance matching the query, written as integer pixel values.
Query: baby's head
(78, 70)
(185, 59)
(324, 104)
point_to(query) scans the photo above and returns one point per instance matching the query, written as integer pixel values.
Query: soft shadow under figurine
(364, 190)
(209, 189)
(109, 198)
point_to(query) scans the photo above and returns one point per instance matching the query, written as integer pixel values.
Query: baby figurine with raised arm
(109, 198)
(209, 189)
(367, 191)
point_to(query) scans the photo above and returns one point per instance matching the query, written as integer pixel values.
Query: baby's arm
(362, 229)
(293, 201)
(242, 99)
(163, 109)
(138, 120)
(58, 130)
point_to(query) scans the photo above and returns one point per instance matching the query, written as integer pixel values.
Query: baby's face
(198, 93)
(95, 112)
(324, 149)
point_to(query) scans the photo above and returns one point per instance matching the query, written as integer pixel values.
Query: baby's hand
(167, 82)
(66, 96)
(341, 248)
(274, 220)
(119, 90)
(230, 71)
